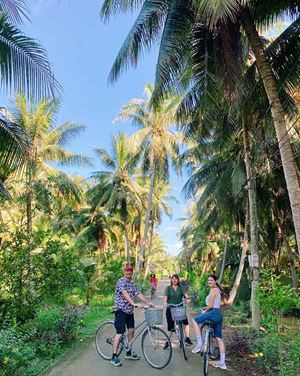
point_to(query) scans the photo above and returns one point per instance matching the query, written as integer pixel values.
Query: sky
(81, 50)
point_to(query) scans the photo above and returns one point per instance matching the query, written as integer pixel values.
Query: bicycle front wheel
(205, 364)
(104, 340)
(181, 339)
(156, 347)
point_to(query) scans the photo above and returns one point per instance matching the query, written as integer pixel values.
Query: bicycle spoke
(153, 346)
(104, 340)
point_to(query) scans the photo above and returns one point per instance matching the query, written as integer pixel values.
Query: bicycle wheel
(104, 340)
(214, 351)
(181, 339)
(156, 347)
(205, 364)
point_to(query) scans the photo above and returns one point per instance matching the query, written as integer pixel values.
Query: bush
(280, 355)
(53, 328)
(16, 354)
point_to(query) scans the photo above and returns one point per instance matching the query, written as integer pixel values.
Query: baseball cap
(128, 267)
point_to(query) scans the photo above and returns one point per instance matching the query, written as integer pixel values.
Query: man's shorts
(216, 316)
(123, 320)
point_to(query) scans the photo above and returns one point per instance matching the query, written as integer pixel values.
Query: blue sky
(81, 50)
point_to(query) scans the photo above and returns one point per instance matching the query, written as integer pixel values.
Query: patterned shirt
(120, 301)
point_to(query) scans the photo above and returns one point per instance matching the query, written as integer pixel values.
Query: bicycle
(178, 312)
(152, 342)
(153, 291)
(210, 348)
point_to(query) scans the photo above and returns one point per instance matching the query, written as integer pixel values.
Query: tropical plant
(115, 188)
(160, 144)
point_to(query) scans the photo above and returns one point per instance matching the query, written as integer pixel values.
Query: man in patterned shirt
(126, 291)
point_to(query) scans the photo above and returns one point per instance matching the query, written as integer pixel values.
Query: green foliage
(275, 298)
(55, 271)
(279, 354)
(16, 354)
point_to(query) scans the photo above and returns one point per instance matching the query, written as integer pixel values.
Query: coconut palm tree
(159, 142)
(46, 145)
(24, 62)
(208, 35)
(115, 188)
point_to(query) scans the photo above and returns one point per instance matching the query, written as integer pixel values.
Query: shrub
(280, 355)
(16, 354)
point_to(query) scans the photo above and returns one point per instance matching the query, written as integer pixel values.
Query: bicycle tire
(181, 339)
(104, 340)
(214, 351)
(205, 364)
(153, 342)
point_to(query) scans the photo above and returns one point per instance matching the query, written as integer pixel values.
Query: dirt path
(85, 361)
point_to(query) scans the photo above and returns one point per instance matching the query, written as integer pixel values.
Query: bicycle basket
(154, 316)
(178, 313)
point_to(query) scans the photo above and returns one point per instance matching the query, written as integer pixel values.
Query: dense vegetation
(224, 108)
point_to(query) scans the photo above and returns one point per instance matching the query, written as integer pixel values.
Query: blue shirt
(120, 302)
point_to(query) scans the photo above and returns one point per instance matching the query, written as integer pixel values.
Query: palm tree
(24, 63)
(189, 32)
(159, 142)
(46, 146)
(115, 188)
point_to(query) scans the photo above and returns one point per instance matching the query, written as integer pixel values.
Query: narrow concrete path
(85, 361)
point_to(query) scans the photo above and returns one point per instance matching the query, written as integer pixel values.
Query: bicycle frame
(128, 344)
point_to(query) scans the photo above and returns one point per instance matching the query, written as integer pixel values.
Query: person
(126, 291)
(175, 294)
(153, 281)
(212, 313)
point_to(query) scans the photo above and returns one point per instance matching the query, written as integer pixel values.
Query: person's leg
(116, 343)
(120, 329)
(186, 327)
(218, 335)
(130, 327)
(171, 325)
(197, 322)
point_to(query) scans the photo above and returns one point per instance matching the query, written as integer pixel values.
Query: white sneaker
(219, 365)
(196, 350)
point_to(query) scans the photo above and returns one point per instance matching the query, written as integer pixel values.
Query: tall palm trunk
(269, 81)
(149, 256)
(127, 243)
(223, 260)
(251, 186)
(148, 210)
(239, 273)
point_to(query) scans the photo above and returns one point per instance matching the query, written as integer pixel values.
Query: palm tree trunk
(251, 186)
(127, 244)
(291, 264)
(148, 210)
(269, 81)
(149, 251)
(239, 274)
(223, 261)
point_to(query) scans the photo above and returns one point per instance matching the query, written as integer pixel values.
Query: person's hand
(138, 306)
(151, 305)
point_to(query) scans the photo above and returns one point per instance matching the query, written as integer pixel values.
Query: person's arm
(128, 298)
(165, 300)
(144, 300)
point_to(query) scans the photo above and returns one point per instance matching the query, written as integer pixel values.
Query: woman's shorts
(216, 316)
(171, 324)
(123, 320)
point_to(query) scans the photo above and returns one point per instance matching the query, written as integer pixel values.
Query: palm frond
(142, 35)
(24, 64)
(15, 9)
(106, 159)
(113, 7)
(64, 134)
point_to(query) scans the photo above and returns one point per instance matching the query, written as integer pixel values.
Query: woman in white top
(212, 313)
